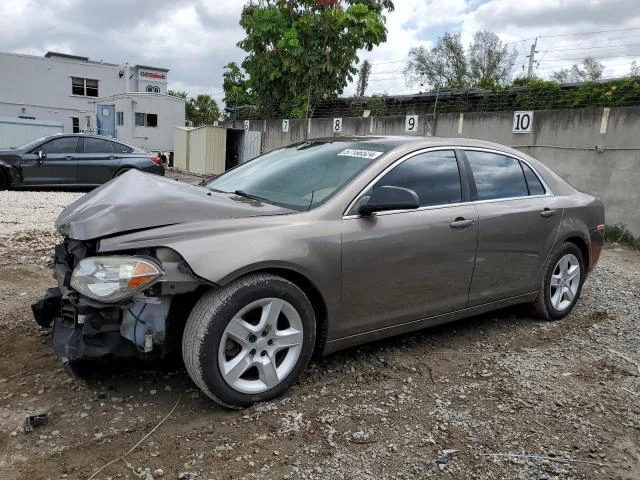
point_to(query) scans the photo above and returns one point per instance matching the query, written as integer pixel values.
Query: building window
(156, 89)
(146, 120)
(153, 89)
(149, 88)
(85, 87)
(76, 124)
(119, 118)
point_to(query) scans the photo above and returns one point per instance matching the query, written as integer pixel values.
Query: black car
(79, 160)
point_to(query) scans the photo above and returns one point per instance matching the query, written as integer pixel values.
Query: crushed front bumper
(48, 308)
(82, 330)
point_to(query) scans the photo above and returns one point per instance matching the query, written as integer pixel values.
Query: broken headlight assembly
(111, 279)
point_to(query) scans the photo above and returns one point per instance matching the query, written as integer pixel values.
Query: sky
(196, 38)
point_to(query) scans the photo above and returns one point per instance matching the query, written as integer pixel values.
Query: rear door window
(497, 176)
(434, 176)
(96, 145)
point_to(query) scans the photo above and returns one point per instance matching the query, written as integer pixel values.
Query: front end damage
(146, 325)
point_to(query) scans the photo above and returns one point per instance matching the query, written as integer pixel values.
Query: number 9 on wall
(411, 123)
(522, 122)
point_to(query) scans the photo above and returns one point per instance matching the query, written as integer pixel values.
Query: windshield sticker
(351, 152)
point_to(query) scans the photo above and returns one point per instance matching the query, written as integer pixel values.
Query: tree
(237, 96)
(490, 61)
(363, 78)
(188, 105)
(176, 93)
(445, 65)
(204, 109)
(303, 51)
(591, 71)
(635, 69)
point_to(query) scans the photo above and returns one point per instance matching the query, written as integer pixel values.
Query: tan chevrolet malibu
(312, 248)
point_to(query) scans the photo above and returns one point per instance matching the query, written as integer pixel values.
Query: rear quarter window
(120, 148)
(533, 182)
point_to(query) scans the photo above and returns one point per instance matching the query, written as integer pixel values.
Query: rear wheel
(561, 283)
(122, 171)
(249, 341)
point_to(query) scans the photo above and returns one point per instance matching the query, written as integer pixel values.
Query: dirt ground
(498, 396)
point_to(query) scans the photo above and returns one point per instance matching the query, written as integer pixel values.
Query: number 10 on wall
(522, 122)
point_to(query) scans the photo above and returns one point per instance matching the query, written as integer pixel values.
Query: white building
(139, 118)
(70, 89)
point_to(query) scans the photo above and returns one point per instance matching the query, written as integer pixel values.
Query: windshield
(300, 176)
(31, 144)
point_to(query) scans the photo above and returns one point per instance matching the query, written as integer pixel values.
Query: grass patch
(619, 233)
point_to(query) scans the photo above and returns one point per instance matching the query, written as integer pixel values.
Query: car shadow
(461, 334)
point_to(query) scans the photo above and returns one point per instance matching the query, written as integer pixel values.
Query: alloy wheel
(565, 282)
(260, 345)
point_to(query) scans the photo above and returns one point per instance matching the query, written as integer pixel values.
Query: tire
(555, 304)
(230, 330)
(122, 171)
(4, 179)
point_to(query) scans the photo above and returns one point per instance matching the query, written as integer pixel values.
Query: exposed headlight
(111, 279)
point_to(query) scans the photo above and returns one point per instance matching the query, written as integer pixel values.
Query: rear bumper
(596, 243)
(155, 169)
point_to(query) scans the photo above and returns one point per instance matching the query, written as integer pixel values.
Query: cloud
(196, 38)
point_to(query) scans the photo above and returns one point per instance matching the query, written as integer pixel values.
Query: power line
(592, 48)
(589, 33)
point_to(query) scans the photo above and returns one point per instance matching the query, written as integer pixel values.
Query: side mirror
(41, 155)
(390, 198)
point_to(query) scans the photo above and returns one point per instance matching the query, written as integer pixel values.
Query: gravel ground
(497, 396)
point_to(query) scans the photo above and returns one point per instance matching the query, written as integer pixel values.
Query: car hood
(9, 157)
(139, 201)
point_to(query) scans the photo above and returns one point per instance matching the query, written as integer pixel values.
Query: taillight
(156, 160)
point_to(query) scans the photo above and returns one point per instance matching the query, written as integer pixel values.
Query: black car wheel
(564, 275)
(249, 341)
(122, 171)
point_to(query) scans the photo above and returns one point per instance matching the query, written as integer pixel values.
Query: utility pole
(531, 58)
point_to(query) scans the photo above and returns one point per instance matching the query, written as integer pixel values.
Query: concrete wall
(565, 140)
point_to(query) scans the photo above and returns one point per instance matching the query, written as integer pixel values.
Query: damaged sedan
(309, 249)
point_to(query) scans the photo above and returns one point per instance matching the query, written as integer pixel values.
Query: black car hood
(139, 201)
(9, 157)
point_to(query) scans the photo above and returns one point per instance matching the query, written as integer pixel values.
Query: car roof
(92, 135)
(393, 141)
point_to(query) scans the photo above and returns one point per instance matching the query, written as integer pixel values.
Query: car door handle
(547, 213)
(69, 157)
(113, 157)
(461, 223)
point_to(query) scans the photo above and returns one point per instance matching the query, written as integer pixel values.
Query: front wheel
(249, 341)
(562, 282)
